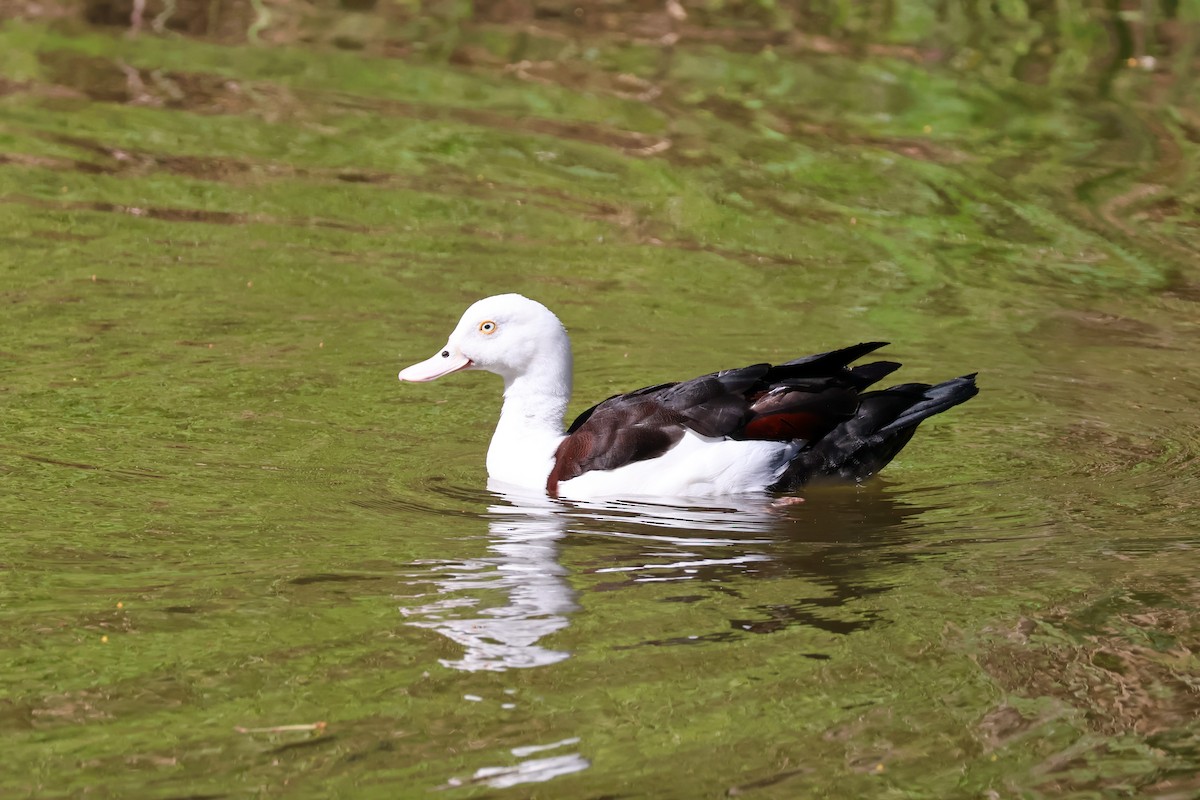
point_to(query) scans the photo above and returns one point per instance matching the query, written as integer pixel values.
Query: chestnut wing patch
(613, 435)
(800, 410)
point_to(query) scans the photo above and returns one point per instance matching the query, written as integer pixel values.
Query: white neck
(531, 422)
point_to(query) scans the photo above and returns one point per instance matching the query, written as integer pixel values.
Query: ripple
(432, 495)
(1163, 460)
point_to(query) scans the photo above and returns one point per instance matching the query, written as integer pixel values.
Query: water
(238, 558)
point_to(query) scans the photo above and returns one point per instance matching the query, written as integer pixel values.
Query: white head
(507, 334)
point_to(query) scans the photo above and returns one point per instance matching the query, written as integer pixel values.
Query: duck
(769, 429)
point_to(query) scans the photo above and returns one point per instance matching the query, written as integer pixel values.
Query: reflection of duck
(499, 607)
(738, 431)
(842, 533)
(537, 596)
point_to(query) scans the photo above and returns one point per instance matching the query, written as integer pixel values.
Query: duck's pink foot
(784, 502)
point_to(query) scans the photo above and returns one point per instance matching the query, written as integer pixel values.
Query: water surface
(237, 558)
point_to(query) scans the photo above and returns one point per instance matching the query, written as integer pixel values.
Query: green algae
(218, 500)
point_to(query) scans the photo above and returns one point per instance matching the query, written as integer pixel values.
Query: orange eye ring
(487, 326)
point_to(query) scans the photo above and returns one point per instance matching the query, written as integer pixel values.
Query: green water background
(220, 514)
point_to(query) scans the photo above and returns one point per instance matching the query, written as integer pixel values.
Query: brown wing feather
(614, 435)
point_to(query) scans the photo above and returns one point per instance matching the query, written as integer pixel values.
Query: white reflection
(534, 770)
(523, 568)
(694, 564)
(748, 514)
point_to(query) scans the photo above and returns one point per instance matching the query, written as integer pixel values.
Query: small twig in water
(311, 726)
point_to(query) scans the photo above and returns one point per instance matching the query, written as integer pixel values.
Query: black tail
(861, 446)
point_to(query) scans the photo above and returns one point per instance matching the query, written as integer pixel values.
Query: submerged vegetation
(237, 558)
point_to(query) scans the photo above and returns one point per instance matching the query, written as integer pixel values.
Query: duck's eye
(445, 354)
(487, 326)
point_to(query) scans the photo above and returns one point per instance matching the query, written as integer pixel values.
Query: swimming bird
(757, 429)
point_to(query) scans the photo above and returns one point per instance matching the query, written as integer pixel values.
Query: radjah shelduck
(757, 429)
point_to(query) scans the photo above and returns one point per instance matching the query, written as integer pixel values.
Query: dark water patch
(776, 618)
(127, 161)
(166, 214)
(108, 12)
(53, 163)
(190, 215)
(59, 462)
(1099, 328)
(792, 122)
(685, 598)
(362, 177)
(675, 641)
(131, 161)
(78, 706)
(110, 80)
(95, 77)
(329, 577)
(8, 87)
(739, 256)
(1183, 287)
(105, 79)
(62, 709)
(912, 148)
(763, 783)
(144, 620)
(137, 474)
(627, 142)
